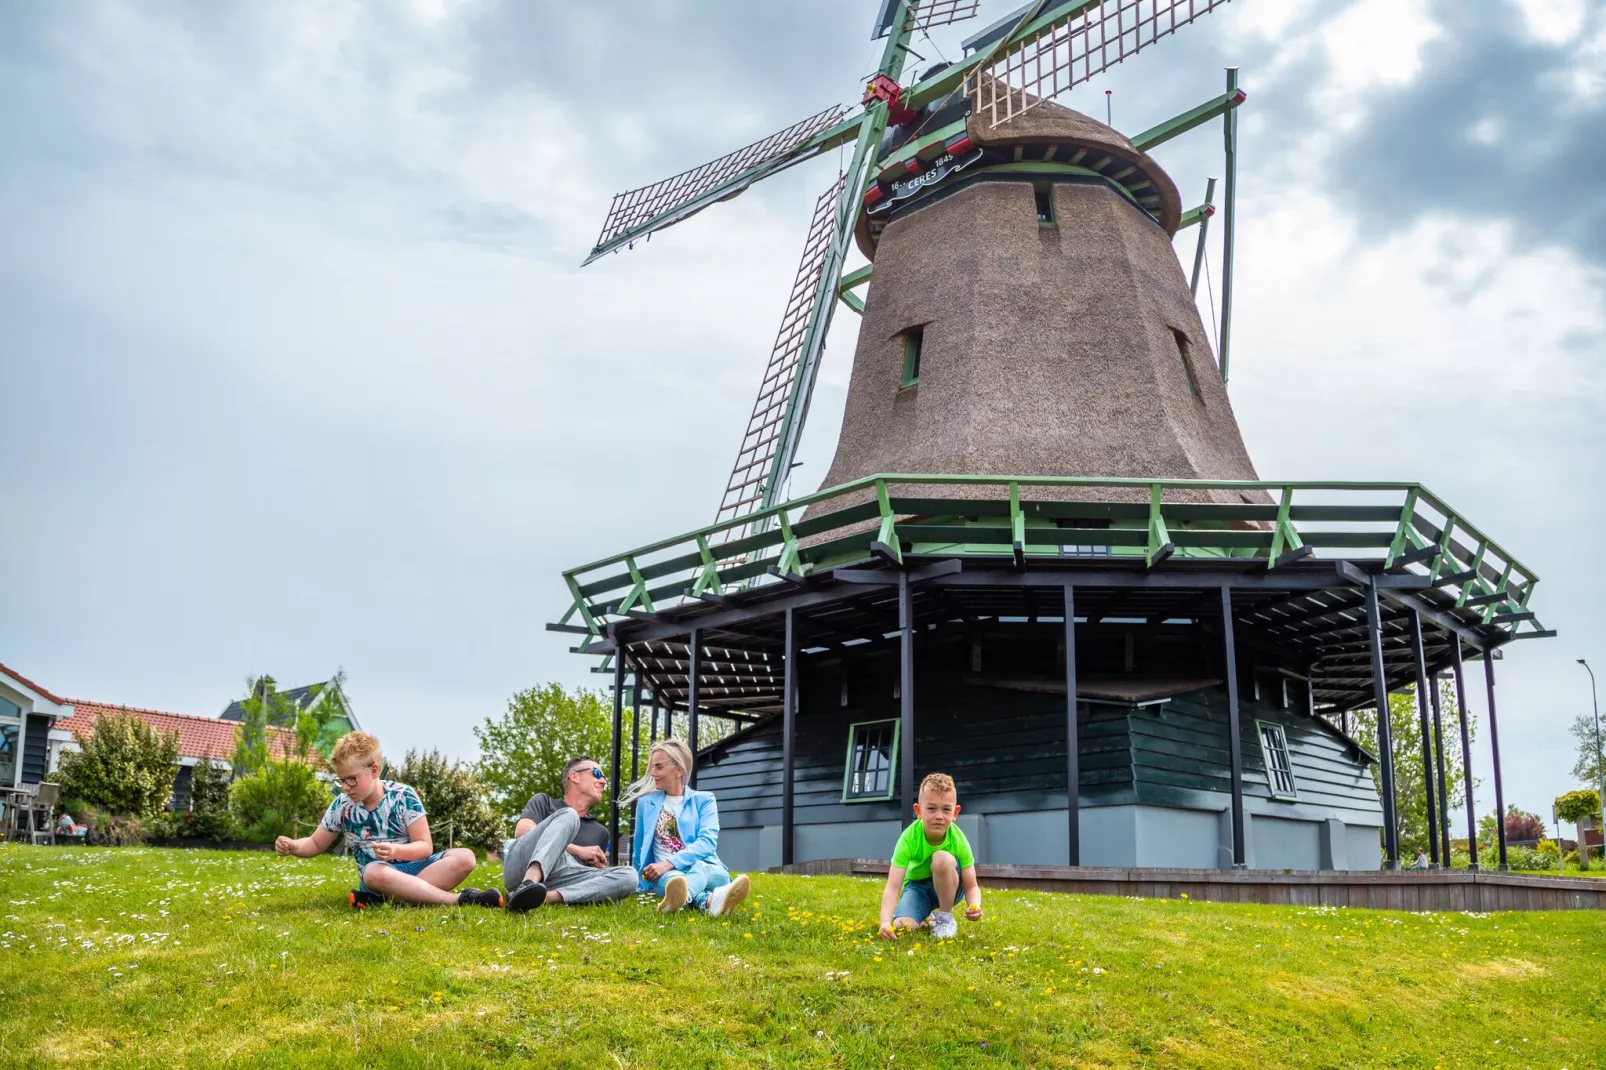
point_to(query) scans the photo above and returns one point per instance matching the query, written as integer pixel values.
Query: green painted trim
(855, 278)
(1271, 783)
(910, 150)
(1407, 514)
(892, 769)
(1188, 120)
(913, 339)
(1193, 217)
(888, 535)
(708, 580)
(853, 301)
(1159, 537)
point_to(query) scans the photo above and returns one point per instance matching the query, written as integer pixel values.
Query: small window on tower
(1045, 203)
(912, 339)
(1185, 351)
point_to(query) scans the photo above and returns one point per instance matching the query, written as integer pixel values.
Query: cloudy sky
(300, 371)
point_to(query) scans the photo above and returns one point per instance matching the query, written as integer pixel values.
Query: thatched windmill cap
(1047, 123)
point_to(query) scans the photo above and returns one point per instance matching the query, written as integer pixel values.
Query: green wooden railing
(1399, 524)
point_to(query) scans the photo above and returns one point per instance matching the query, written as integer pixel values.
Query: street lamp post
(1600, 765)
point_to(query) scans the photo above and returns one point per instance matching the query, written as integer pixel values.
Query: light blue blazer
(699, 831)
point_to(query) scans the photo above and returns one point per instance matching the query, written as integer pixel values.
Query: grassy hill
(153, 957)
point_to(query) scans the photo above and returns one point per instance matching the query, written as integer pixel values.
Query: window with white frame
(1279, 767)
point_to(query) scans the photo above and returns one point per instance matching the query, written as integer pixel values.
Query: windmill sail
(929, 14)
(755, 459)
(639, 212)
(1096, 38)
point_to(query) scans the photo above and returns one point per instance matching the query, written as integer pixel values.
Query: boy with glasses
(387, 833)
(559, 853)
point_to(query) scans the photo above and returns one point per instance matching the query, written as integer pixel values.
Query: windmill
(1036, 53)
(1039, 501)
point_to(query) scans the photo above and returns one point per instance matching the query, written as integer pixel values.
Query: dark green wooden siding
(1006, 749)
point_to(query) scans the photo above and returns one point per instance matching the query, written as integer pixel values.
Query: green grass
(155, 957)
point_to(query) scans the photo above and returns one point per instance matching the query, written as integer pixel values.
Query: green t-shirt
(914, 851)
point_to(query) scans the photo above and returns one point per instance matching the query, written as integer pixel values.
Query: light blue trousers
(701, 878)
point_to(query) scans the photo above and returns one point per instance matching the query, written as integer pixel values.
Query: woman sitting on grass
(677, 837)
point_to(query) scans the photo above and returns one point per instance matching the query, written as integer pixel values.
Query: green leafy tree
(524, 750)
(282, 798)
(319, 727)
(125, 768)
(263, 706)
(451, 791)
(1575, 806)
(1410, 791)
(209, 804)
(1591, 750)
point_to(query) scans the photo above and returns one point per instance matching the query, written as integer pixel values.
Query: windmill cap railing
(1396, 525)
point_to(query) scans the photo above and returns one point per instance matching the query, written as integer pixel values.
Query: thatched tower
(1028, 316)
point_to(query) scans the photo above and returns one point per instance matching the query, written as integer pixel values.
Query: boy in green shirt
(929, 864)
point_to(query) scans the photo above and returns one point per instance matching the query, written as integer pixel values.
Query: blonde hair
(938, 782)
(356, 747)
(677, 752)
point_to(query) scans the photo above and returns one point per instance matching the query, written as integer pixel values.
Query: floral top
(398, 807)
(666, 839)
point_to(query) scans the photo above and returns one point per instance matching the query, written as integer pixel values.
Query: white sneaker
(724, 900)
(674, 895)
(943, 926)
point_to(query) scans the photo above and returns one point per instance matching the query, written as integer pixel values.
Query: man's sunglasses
(596, 771)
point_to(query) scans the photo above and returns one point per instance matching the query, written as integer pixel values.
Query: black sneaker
(362, 898)
(474, 897)
(527, 896)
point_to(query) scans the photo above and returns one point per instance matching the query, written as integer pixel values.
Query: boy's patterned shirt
(398, 807)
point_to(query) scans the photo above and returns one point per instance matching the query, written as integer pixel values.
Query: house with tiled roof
(309, 698)
(200, 739)
(30, 733)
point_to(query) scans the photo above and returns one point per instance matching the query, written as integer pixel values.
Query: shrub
(1548, 849)
(282, 799)
(451, 792)
(209, 817)
(125, 767)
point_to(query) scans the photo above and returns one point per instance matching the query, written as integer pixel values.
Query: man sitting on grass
(557, 853)
(930, 862)
(387, 833)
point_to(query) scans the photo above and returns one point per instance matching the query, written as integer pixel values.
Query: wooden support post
(1235, 742)
(635, 728)
(1443, 804)
(788, 739)
(1229, 224)
(1466, 755)
(1073, 772)
(1494, 745)
(613, 780)
(1385, 736)
(906, 697)
(693, 668)
(1420, 656)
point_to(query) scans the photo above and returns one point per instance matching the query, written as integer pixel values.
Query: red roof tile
(198, 737)
(15, 675)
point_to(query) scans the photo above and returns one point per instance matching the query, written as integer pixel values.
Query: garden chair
(19, 804)
(41, 815)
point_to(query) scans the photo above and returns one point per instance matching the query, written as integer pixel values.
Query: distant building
(30, 732)
(308, 699)
(199, 739)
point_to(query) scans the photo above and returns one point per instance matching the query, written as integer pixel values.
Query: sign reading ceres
(943, 166)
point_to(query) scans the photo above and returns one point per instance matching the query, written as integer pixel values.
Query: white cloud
(1373, 44)
(1552, 22)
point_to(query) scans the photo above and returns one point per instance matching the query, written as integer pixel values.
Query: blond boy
(385, 829)
(931, 862)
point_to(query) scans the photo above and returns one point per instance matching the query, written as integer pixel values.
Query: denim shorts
(918, 900)
(412, 869)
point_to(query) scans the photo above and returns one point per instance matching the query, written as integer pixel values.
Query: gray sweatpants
(578, 882)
